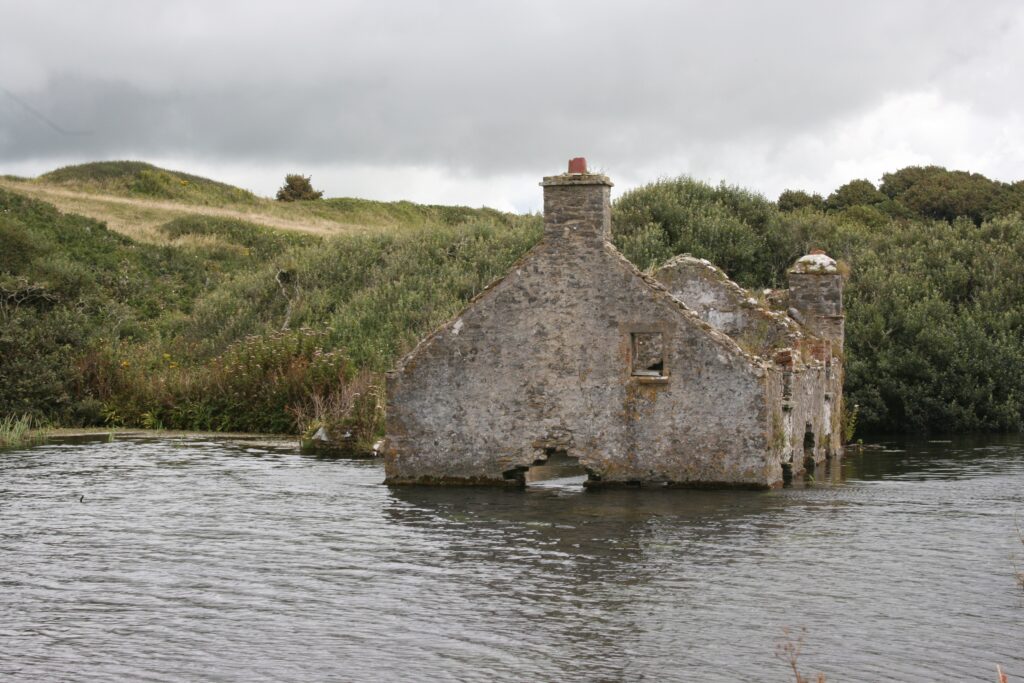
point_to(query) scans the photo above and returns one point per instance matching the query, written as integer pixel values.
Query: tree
(297, 188)
(936, 193)
(895, 184)
(854, 193)
(791, 200)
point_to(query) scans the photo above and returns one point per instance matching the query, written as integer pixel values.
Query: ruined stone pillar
(816, 292)
(577, 205)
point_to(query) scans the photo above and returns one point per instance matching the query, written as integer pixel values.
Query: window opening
(648, 354)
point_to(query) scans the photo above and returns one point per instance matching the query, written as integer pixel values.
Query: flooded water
(199, 560)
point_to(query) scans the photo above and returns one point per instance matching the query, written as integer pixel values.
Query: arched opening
(787, 472)
(553, 467)
(809, 447)
(557, 467)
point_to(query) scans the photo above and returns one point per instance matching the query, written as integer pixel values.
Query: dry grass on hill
(139, 218)
(135, 199)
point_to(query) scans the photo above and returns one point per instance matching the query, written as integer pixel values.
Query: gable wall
(805, 392)
(726, 306)
(544, 360)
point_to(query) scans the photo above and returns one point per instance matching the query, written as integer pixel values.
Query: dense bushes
(66, 281)
(936, 326)
(735, 229)
(791, 200)
(935, 193)
(935, 308)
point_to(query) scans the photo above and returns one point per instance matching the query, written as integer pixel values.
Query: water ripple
(209, 560)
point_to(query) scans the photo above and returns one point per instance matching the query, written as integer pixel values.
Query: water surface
(206, 560)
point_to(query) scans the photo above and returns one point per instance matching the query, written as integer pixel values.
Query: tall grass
(230, 326)
(17, 431)
(321, 323)
(350, 412)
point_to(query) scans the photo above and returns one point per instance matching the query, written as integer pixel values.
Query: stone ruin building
(682, 378)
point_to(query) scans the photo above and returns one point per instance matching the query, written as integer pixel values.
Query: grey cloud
(470, 86)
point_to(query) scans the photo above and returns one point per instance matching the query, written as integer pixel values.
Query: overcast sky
(472, 102)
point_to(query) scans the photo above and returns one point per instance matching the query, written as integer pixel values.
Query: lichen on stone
(815, 263)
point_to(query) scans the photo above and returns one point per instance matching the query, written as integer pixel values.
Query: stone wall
(816, 292)
(807, 410)
(805, 385)
(549, 359)
(708, 291)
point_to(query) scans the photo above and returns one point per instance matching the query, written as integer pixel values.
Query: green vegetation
(221, 323)
(933, 192)
(136, 178)
(233, 237)
(230, 325)
(17, 431)
(791, 200)
(297, 188)
(935, 300)
(737, 230)
(109, 192)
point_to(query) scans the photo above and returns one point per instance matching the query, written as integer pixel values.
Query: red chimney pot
(578, 165)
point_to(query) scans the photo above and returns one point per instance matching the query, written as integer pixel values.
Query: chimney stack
(577, 205)
(816, 291)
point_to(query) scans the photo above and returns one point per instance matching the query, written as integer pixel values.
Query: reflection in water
(206, 560)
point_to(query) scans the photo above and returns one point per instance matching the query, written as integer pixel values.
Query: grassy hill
(139, 179)
(136, 198)
(220, 320)
(216, 309)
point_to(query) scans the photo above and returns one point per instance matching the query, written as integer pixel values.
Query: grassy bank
(135, 199)
(18, 431)
(225, 324)
(215, 317)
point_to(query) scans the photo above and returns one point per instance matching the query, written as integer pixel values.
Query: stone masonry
(683, 380)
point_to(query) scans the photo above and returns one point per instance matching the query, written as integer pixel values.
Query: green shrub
(257, 241)
(729, 226)
(647, 246)
(935, 310)
(792, 200)
(854, 193)
(154, 183)
(297, 188)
